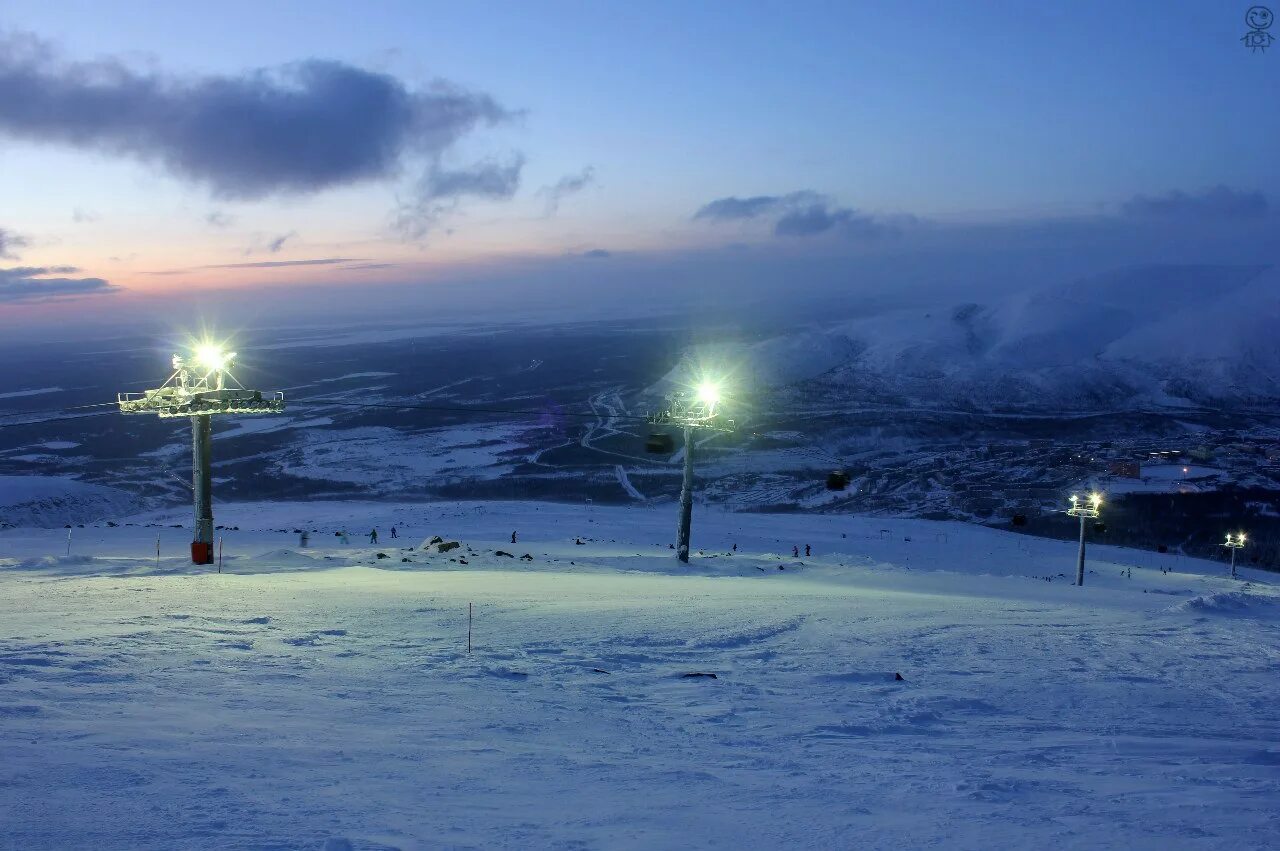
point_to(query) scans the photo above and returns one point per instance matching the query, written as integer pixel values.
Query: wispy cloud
(570, 184)
(10, 242)
(82, 216)
(294, 129)
(47, 283)
(265, 264)
(218, 219)
(440, 190)
(276, 244)
(268, 245)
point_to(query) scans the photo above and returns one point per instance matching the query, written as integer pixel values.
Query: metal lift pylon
(198, 388)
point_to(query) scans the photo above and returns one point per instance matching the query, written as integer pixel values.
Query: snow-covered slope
(325, 698)
(1171, 335)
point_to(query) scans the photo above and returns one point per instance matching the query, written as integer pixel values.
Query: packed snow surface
(325, 697)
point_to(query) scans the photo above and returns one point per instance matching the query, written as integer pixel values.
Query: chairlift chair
(660, 444)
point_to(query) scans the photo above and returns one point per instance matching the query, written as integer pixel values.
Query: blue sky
(951, 113)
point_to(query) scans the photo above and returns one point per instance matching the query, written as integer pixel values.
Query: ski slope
(324, 697)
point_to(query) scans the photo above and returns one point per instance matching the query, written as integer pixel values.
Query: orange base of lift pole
(201, 553)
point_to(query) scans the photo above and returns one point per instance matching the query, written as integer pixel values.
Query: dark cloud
(1218, 202)
(266, 264)
(568, 185)
(440, 189)
(298, 128)
(733, 208)
(368, 266)
(821, 218)
(32, 283)
(10, 242)
(597, 254)
(798, 214)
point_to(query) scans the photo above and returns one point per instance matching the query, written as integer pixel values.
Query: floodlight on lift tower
(202, 387)
(691, 411)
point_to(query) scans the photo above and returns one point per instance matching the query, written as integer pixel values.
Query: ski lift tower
(202, 387)
(1086, 510)
(691, 411)
(1233, 543)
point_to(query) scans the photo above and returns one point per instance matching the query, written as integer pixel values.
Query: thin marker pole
(469, 627)
(68, 543)
(220, 553)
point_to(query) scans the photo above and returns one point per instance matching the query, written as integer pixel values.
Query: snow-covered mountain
(1163, 335)
(48, 501)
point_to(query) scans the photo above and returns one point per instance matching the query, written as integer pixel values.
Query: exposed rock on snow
(438, 545)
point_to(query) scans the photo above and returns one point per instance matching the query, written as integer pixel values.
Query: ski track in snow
(302, 696)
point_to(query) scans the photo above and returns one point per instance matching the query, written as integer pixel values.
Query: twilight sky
(157, 155)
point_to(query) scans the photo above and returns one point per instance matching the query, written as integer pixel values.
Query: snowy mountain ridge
(1153, 335)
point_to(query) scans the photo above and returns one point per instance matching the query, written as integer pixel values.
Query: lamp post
(1233, 543)
(1085, 510)
(691, 412)
(198, 388)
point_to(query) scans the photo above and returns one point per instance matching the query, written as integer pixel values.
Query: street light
(1233, 543)
(691, 412)
(1084, 509)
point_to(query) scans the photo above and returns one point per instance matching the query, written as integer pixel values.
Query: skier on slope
(393, 532)
(513, 537)
(342, 536)
(795, 551)
(373, 536)
(807, 552)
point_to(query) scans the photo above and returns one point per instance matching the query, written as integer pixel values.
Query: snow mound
(1243, 603)
(73, 564)
(288, 559)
